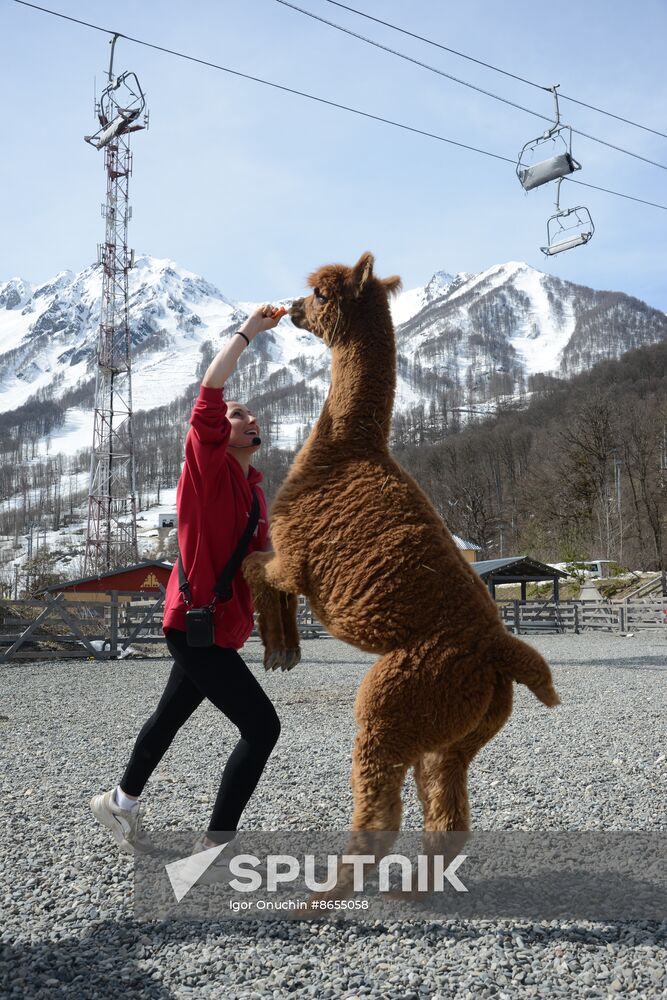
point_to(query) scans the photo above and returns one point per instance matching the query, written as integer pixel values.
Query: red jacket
(213, 501)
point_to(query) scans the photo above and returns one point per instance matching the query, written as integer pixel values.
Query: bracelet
(244, 337)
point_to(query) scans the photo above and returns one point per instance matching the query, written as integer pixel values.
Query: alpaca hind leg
(386, 745)
(442, 785)
(377, 779)
(444, 773)
(442, 781)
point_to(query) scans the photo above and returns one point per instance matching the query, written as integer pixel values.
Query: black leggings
(221, 676)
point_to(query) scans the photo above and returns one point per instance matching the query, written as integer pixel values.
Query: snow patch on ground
(75, 434)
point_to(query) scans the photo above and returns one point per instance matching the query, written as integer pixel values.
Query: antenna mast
(112, 516)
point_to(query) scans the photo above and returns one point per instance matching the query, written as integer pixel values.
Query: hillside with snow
(472, 338)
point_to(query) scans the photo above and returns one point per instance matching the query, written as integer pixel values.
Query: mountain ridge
(462, 339)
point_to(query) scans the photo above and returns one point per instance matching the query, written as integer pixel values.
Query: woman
(213, 501)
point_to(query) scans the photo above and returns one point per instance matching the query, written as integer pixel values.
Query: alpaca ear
(361, 272)
(392, 284)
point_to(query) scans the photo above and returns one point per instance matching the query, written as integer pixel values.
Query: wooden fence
(526, 617)
(58, 629)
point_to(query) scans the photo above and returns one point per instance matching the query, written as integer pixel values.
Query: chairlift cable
(618, 194)
(310, 97)
(267, 83)
(464, 83)
(76, 20)
(496, 69)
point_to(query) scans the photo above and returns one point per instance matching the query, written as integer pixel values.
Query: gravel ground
(595, 763)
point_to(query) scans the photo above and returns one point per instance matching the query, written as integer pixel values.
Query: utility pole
(616, 457)
(29, 559)
(112, 517)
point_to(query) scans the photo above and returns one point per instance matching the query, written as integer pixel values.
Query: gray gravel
(597, 762)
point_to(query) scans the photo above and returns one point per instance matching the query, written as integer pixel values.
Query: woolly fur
(355, 533)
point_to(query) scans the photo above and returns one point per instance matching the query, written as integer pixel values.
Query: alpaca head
(345, 301)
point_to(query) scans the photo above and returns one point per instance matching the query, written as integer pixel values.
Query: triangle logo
(185, 872)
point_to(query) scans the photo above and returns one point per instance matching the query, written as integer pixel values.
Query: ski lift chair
(115, 117)
(562, 236)
(557, 140)
(561, 164)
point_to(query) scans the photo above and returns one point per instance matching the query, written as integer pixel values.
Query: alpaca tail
(525, 665)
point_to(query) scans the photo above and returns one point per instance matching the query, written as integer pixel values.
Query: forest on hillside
(579, 472)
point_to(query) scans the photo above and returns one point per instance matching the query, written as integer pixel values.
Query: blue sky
(253, 188)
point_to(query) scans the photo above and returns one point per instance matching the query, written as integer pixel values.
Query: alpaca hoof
(292, 657)
(274, 659)
(409, 896)
(282, 659)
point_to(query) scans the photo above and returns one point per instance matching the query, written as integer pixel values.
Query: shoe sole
(214, 877)
(220, 871)
(107, 819)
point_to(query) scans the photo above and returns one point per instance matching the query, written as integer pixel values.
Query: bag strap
(222, 589)
(183, 584)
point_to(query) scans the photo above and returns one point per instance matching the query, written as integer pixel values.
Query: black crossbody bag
(199, 622)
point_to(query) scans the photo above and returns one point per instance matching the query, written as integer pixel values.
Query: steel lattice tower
(112, 529)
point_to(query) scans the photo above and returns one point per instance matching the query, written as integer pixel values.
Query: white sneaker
(218, 870)
(125, 824)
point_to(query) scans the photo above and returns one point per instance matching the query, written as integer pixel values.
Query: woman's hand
(224, 363)
(264, 318)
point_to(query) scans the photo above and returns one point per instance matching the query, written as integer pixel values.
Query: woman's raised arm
(224, 363)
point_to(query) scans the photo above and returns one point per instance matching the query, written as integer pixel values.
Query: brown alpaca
(359, 537)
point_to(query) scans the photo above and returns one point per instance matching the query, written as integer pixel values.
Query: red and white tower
(112, 527)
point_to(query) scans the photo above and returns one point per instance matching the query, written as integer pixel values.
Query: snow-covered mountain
(48, 333)
(412, 301)
(476, 335)
(514, 319)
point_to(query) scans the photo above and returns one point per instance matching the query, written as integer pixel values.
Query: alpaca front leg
(281, 651)
(266, 601)
(288, 608)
